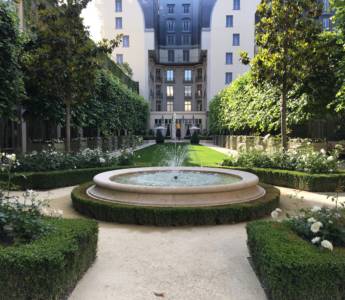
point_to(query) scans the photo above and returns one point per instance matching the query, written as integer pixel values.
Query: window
(188, 91)
(170, 91)
(199, 74)
(228, 77)
(171, 39)
(170, 106)
(186, 8)
(186, 55)
(186, 39)
(237, 4)
(170, 25)
(188, 106)
(199, 90)
(229, 58)
(125, 41)
(170, 75)
(187, 75)
(326, 23)
(158, 106)
(236, 39)
(229, 21)
(118, 5)
(119, 58)
(118, 23)
(326, 5)
(186, 25)
(171, 8)
(171, 55)
(158, 91)
(158, 74)
(199, 105)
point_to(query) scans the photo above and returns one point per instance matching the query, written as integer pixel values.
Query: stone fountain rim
(104, 180)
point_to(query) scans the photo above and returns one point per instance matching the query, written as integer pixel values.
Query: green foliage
(298, 180)
(243, 106)
(305, 160)
(291, 268)
(11, 83)
(160, 216)
(126, 157)
(159, 137)
(195, 138)
(49, 267)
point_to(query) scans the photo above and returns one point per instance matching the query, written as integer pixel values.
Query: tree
(11, 83)
(286, 35)
(62, 61)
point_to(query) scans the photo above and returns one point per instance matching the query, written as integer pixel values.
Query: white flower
(316, 209)
(327, 245)
(274, 214)
(101, 160)
(323, 151)
(316, 240)
(266, 137)
(311, 220)
(315, 227)
(30, 193)
(330, 158)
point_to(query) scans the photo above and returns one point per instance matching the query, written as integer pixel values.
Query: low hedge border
(291, 268)
(298, 180)
(49, 268)
(173, 216)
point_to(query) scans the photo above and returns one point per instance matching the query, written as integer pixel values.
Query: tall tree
(286, 35)
(62, 62)
(11, 83)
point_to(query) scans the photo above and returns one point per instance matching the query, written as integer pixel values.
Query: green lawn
(192, 155)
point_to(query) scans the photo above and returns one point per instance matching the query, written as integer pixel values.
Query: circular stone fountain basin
(176, 187)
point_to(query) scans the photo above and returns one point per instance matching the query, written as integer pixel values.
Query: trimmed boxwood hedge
(173, 216)
(50, 267)
(298, 180)
(291, 268)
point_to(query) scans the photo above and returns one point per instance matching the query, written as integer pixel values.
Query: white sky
(93, 21)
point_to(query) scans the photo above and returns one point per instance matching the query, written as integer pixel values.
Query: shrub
(50, 267)
(195, 138)
(304, 160)
(159, 137)
(291, 268)
(173, 216)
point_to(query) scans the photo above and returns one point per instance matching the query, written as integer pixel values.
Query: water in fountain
(175, 155)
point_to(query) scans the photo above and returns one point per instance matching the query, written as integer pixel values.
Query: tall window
(186, 55)
(236, 39)
(158, 106)
(186, 25)
(186, 8)
(237, 4)
(119, 58)
(170, 75)
(118, 5)
(118, 23)
(326, 23)
(228, 77)
(188, 91)
(158, 75)
(187, 75)
(199, 90)
(188, 105)
(171, 8)
(171, 39)
(171, 55)
(199, 74)
(199, 105)
(229, 21)
(325, 5)
(170, 106)
(170, 25)
(125, 41)
(170, 91)
(158, 90)
(229, 58)
(186, 39)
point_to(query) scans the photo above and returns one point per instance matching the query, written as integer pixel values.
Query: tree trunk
(68, 127)
(283, 125)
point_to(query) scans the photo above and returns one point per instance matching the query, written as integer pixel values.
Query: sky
(92, 20)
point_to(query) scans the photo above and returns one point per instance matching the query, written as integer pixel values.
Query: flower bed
(162, 216)
(49, 267)
(291, 267)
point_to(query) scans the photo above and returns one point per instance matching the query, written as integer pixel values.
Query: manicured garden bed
(162, 216)
(291, 268)
(299, 180)
(51, 266)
